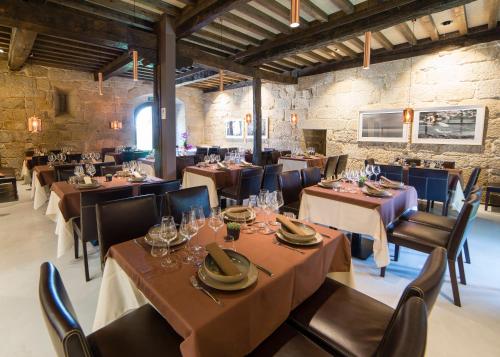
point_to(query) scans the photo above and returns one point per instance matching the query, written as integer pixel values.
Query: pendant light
(99, 77)
(248, 118)
(34, 122)
(367, 50)
(135, 60)
(295, 13)
(294, 119)
(408, 112)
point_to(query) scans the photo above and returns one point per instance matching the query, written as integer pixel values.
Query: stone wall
(466, 76)
(85, 125)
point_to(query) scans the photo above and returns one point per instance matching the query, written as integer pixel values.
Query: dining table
(64, 205)
(42, 178)
(291, 163)
(245, 318)
(350, 209)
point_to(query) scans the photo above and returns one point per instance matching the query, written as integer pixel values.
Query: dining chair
(223, 153)
(124, 219)
(275, 157)
(350, 323)
(201, 150)
(29, 152)
(110, 169)
(285, 152)
(431, 185)
(290, 184)
(104, 151)
(248, 183)
(392, 172)
(183, 162)
(413, 161)
(100, 165)
(370, 161)
(70, 158)
(331, 166)
(55, 151)
(310, 176)
(159, 189)
(64, 172)
(127, 156)
(473, 178)
(341, 164)
(39, 160)
(266, 158)
(424, 239)
(448, 164)
(85, 226)
(213, 150)
(177, 202)
(141, 332)
(270, 177)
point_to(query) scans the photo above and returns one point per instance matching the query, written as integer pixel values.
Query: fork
(197, 286)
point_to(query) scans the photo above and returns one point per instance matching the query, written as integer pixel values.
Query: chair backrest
(392, 172)
(39, 160)
(139, 154)
(406, 335)
(100, 165)
(64, 329)
(285, 152)
(104, 151)
(463, 224)
(201, 150)
(64, 172)
(181, 201)
(213, 150)
(270, 178)
(183, 162)
(448, 164)
(127, 156)
(431, 184)
(88, 201)
(275, 156)
(223, 153)
(159, 189)
(427, 284)
(55, 151)
(412, 161)
(474, 176)
(73, 158)
(122, 220)
(266, 157)
(290, 184)
(29, 152)
(249, 182)
(370, 161)
(341, 164)
(110, 169)
(331, 166)
(310, 176)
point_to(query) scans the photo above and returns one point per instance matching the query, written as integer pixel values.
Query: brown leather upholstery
(110, 169)
(419, 237)
(123, 220)
(474, 176)
(159, 189)
(177, 202)
(290, 184)
(64, 172)
(310, 176)
(248, 183)
(142, 332)
(430, 219)
(270, 178)
(331, 166)
(341, 164)
(288, 342)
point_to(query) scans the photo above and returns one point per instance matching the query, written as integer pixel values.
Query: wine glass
(199, 215)
(376, 171)
(97, 156)
(251, 204)
(51, 158)
(188, 229)
(369, 171)
(168, 233)
(215, 222)
(90, 169)
(206, 159)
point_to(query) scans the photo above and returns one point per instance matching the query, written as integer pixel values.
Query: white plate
(87, 186)
(318, 238)
(213, 271)
(178, 241)
(250, 279)
(252, 217)
(382, 195)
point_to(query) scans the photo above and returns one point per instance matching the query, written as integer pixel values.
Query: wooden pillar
(156, 120)
(166, 97)
(257, 121)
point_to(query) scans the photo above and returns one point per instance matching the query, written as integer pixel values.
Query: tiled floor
(27, 239)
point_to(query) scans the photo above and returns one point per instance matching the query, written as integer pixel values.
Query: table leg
(361, 247)
(487, 200)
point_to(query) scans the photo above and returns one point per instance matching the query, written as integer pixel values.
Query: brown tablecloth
(454, 175)
(221, 178)
(311, 162)
(248, 316)
(390, 208)
(69, 195)
(45, 174)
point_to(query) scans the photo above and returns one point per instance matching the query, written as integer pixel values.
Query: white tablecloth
(352, 218)
(25, 172)
(148, 169)
(109, 158)
(64, 230)
(290, 164)
(191, 180)
(39, 193)
(457, 198)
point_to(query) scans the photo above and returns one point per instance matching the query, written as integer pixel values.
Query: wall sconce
(34, 124)
(295, 13)
(294, 119)
(408, 115)
(115, 125)
(248, 118)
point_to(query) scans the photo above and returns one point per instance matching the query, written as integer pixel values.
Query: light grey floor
(27, 239)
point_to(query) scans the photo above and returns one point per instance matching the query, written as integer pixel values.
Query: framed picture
(462, 125)
(234, 129)
(265, 129)
(382, 126)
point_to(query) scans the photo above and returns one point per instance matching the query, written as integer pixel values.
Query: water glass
(376, 171)
(168, 233)
(188, 229)
(216, 221)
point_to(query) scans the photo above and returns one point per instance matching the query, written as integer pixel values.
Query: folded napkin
(221, 165)
(87, 180)
(292, 227)
(390, 182)
(238, 212)
(373, 188)
(243, 162)
(136, 174)
(222, 260)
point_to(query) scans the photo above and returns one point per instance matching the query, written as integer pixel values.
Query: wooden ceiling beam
(384, 41)
(280, 11)
(200, 74)
(327, 53)
(460, 16)
(236, 85)
(263, 18)
(128, 9)
(369, 18)
(357, 43)
(343, 48)
(491, 7)
(344, 5)
(312, 10)
(116, 67)
(160, 6)
(213, 44)
(248, 26)
(21, 44)
(205, 12)
(429, 25)
(407, 33)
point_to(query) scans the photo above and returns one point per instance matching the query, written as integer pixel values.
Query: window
(144, 127)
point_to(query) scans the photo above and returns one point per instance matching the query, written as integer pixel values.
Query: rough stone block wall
(332, 101)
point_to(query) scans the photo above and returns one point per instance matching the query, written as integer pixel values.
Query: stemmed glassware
(369, 171)
(79, 171)
(376, 171)
(252, 204)
(51, 158)
(97, 156)
(168, 233)
(188, 228)
(206, 159)
(216, 221)
(61, 157)
(199, 216)
(90, 168)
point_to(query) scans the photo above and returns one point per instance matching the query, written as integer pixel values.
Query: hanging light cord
(411, 64)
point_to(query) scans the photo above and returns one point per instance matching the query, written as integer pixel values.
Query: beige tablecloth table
(132, 278)
(299, 163)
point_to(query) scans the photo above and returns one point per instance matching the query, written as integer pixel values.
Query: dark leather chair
(270, 178)
(201, 150)
(64, 172)
(424, 239)
(183, 162)
(248, 183)
(341, 164)
(290, 184)
(104, 151)
(223, 153)
(413, 162)
(29, 152)
(159, 189)
(275, 156)
(392, 172)
(140, 154)
(100, 165)
(431, 185)
(310, 176)
(448, 164)
(73, 158)
(266, 157)
(142, 332)
(39, 160)
(370, 161)
(85, 226)
(55, 151)
(331, 166)
(127, 156)
(177, 202)
(473, 178)
(122, 220)
(213, 150)
(350, 323)
(110, 169)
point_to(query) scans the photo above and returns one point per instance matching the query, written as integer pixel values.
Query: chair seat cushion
(142, 332)
(291, 207)
(429, 219)
(230, 192)
(346, 320)
(288, 342)
(418, 236)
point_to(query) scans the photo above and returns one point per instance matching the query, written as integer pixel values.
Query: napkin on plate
(373, 188)
(87, 180)
(390, 182)
(136, 174)
(245, 163)
(221, 165)
(292, 227)
(222, 260)
(238, 212)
